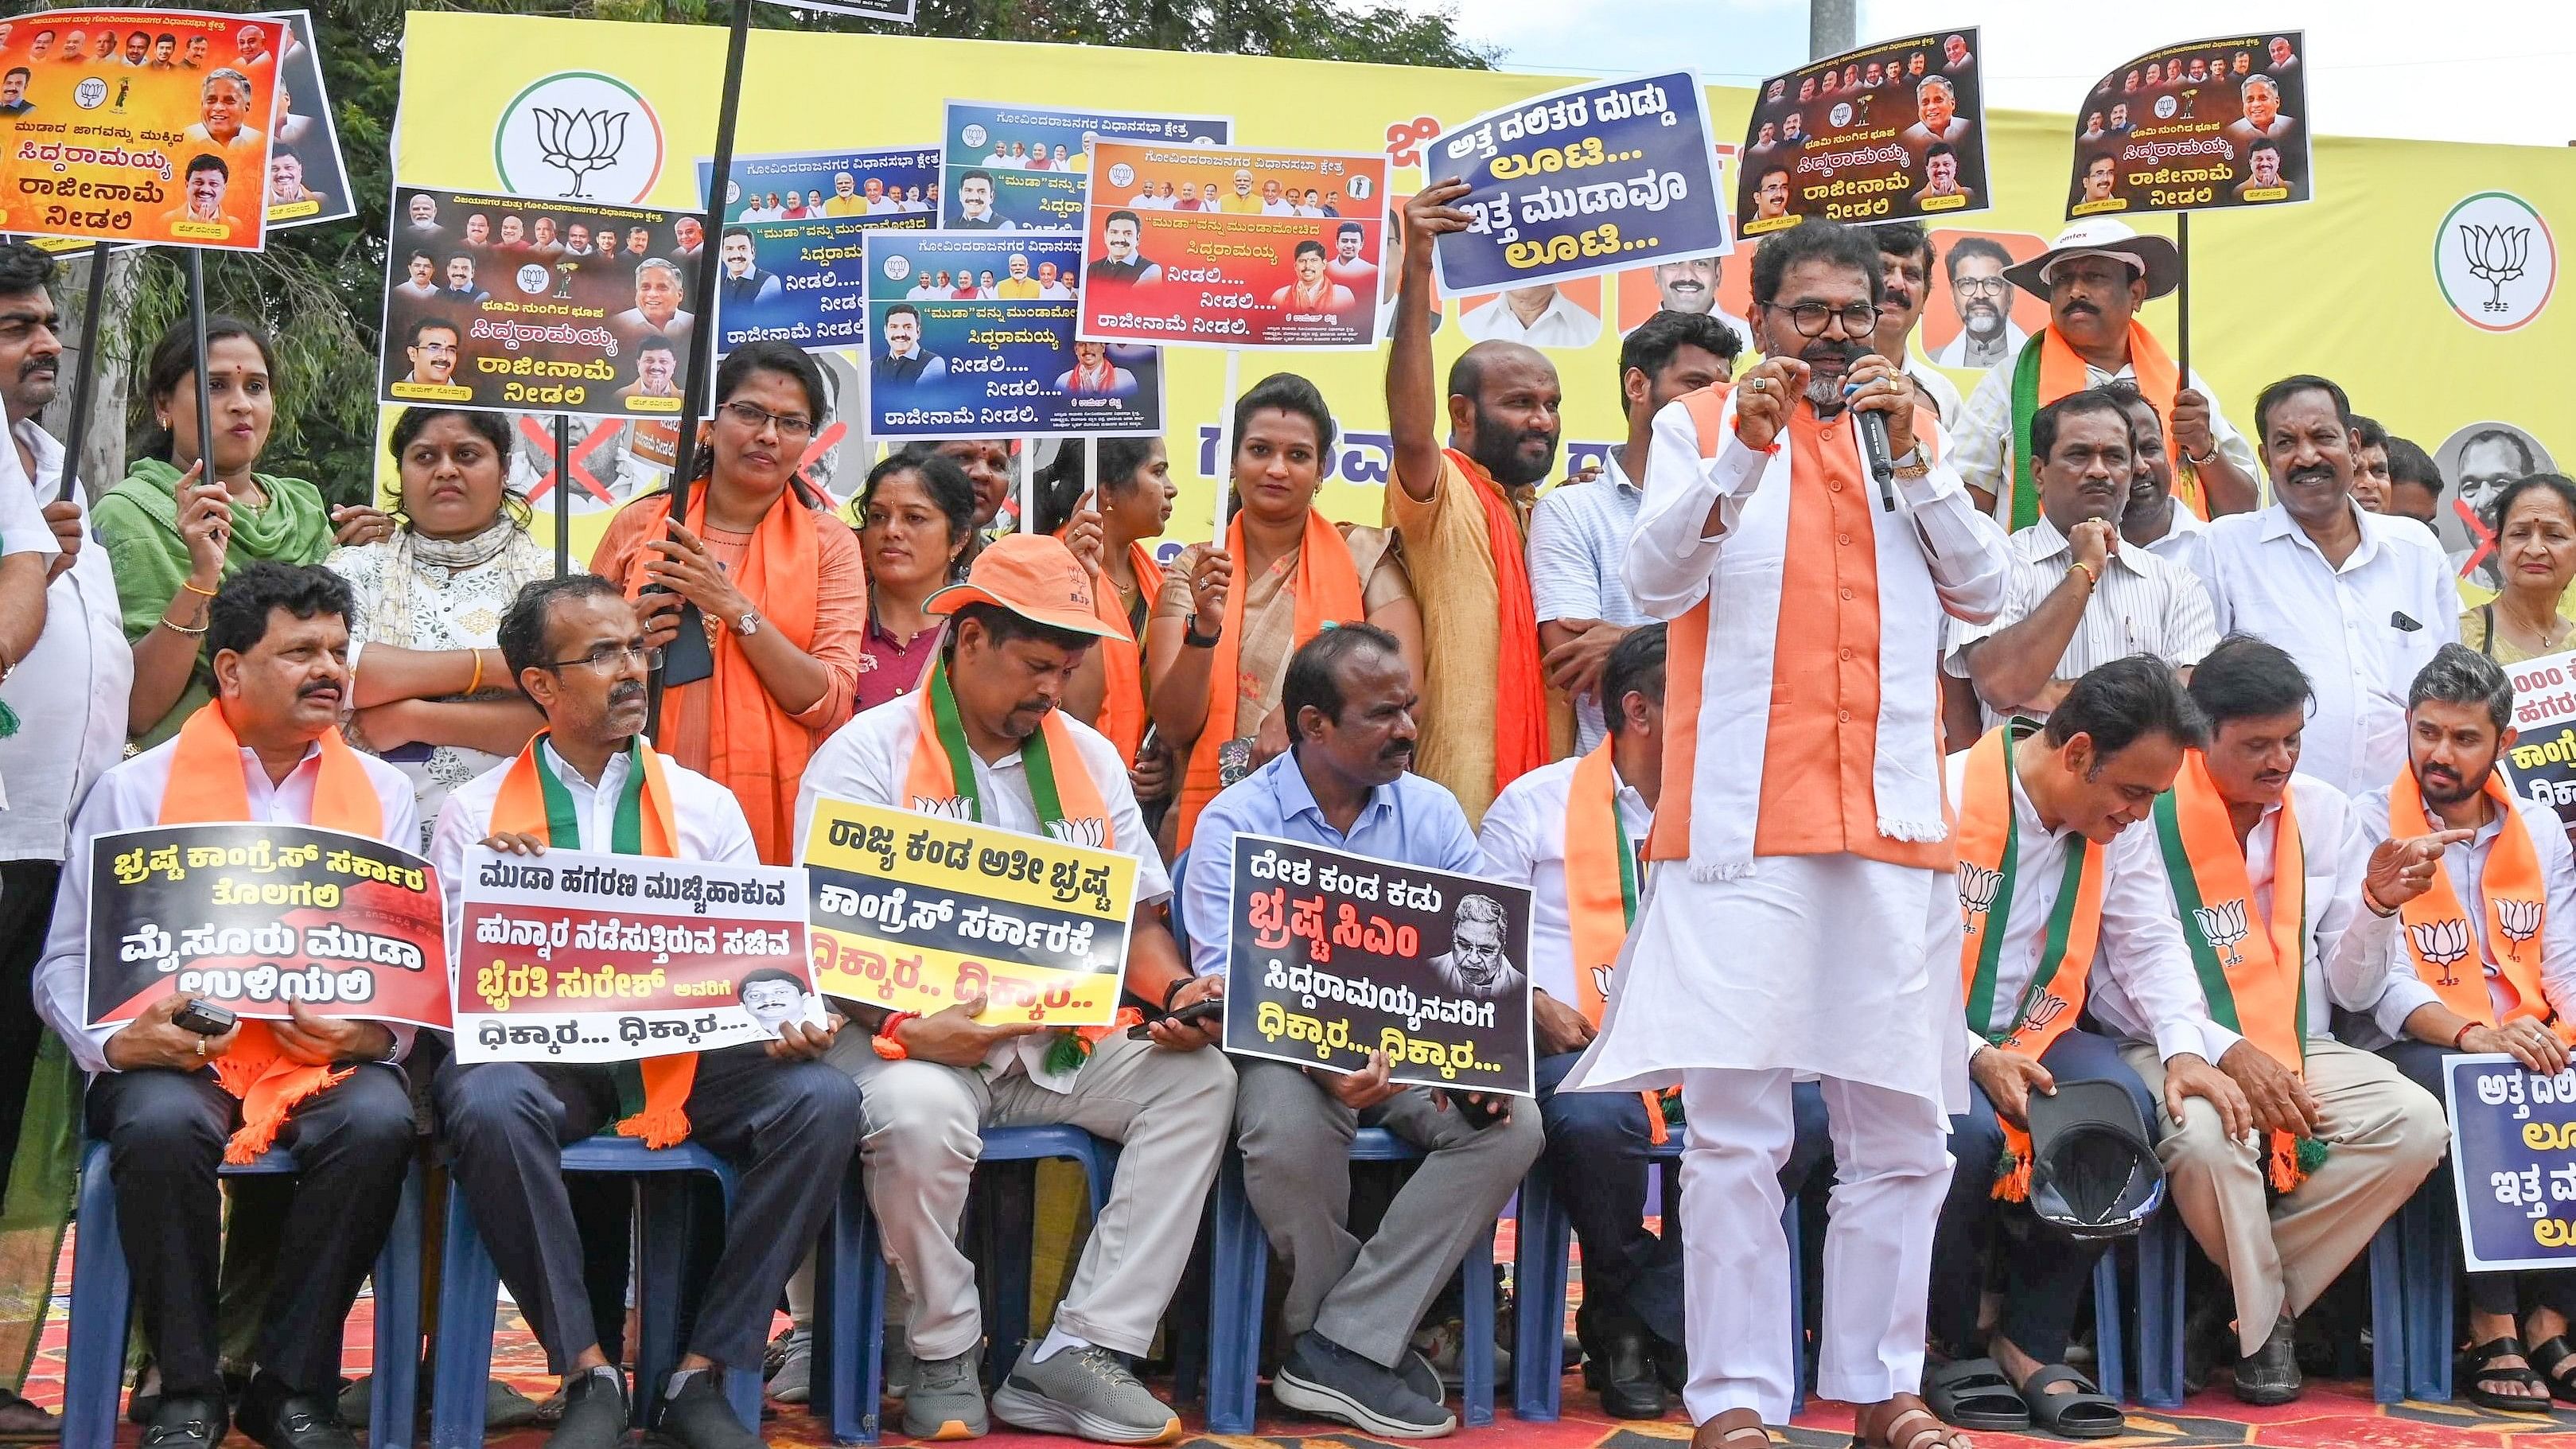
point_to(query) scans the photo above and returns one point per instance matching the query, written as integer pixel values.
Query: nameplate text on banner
(2513, 1162)
(1888, 132)
(2201, 126)
(1333, 956)
(255, 918)
(573, 957)
(793, 269)
(1590, 179)
(916, 912)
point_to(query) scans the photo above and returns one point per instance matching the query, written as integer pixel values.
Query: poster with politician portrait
(308, 182)
(2206, 125)
(2476, 462)
(1888, 132)
(1974, 318)
(1027, 168)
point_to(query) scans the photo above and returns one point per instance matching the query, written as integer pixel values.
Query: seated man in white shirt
(2361, 601)
(265, 750)
(2075, 598)
(785, 1121)
(2485, 962)
(2042, 811)
(1019, 628)
(2287, 909)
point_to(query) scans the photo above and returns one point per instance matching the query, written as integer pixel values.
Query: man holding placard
(179, 1089)
(782, 1119)
(987, 740)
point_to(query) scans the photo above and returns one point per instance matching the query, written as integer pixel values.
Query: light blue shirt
(1413, 821)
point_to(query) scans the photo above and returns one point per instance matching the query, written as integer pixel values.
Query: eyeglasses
(1982, 286)
(789, 425)
(609, 658)
(1812, 318)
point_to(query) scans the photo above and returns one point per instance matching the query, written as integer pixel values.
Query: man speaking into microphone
(1816, 828)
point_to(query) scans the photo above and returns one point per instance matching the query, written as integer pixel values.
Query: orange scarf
(753, 748)
(206, 787)
(1602, 883)
(2437, 928)
(1520, 686)
(2253, 971)
(529, 805)
(1989, 864)
(2062, 372)
(1122, 664)
(1327, 591)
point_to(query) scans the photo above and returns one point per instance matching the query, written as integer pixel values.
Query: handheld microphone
(1873, 442)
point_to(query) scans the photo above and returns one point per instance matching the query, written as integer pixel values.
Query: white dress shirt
(2186, 542)
(1982, 435)
(707, 815)
(1563, 324)
(2142, 605)
(1955, 353)
(128, 797)
(1578, 544)
(869, 760)
(2341, 624)
(69, 692)
(2466, 865)
(1524, 836)
(2142, 968)
(1938, 390)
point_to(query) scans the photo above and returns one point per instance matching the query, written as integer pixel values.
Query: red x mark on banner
(543, 436)
(2480, 535)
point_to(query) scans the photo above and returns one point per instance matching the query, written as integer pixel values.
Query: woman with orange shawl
(778, 579)
(1217, 647)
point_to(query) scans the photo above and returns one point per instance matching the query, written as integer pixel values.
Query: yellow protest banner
(917, 912)
(2375, 283)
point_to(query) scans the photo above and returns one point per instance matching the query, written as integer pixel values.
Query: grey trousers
(1296, 1141)
(920, 1138)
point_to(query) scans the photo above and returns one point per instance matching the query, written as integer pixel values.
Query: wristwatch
(1196, 640)
(748, 624)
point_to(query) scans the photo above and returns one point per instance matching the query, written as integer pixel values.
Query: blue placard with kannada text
(2513, 1161)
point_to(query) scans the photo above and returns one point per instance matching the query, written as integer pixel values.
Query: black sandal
(2474, 1368)
(1972, 1393)
(2084, 1413)
(2551, 1358)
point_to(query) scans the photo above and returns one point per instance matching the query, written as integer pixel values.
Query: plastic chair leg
(469, 1287)
(2160, 1311)
(2110, 1358)
(1239, 1265)
(2391, 1335)
(394, 1389)
(102, 1297)
(849, 1337)
(1476, 1358)
(1539, 1279)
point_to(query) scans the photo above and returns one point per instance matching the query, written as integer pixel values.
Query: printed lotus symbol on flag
(2519, 920)
(1977, 886)
(2224, 925)
(1601, 981)
(1080, 832)
(2496, 255)
(2443, 943)
(579, 142)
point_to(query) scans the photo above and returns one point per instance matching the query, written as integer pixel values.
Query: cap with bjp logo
(1033, 576)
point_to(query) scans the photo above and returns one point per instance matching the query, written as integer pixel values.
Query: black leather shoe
(699, 1418)
(595, 1411)
(1621, 1366)
(2270, 1374)
(280, 1418)
(184, 1422)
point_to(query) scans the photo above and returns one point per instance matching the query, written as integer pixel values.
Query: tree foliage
(319, 290)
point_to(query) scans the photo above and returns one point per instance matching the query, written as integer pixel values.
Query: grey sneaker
(945, 1401)
(793, 1382)
(1087, 1392)
(894, 1371)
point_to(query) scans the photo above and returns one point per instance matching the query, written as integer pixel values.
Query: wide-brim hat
(2093, 1166)
(1033, 576)
(2152, 256)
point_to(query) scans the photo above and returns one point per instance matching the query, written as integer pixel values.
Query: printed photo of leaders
(1890, 131)
(1024, 168)
(308, 182)
(1221, 248)
(508, 303)
(971, 334)
(793, 269)
(2215, 123)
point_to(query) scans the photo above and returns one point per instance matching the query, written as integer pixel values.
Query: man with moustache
(1462, 512)
(432, 349)
(1771, 194)
(744, 283)
(1941, 180)
(905, 363)
(2075, 598)
(1936, 107)
(1690, 285)
(657, 309)
(2094, 278)
(2152, 520)
(1982, 297)
(2263, 180)
(2360, 601)
(657, 371)
(1802, 808)
(2370, 465)
(1906, 254)
(461, 291)
(2262, 120)
(13, 91)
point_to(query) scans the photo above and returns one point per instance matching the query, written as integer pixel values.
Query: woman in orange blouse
(777, 577)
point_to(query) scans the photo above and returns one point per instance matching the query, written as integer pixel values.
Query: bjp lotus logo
(2223, 925)
(579, 135)
(1092, 832)
(1601, 981)
(579, 143)
(1977, 887)
(2494, 260)
(2519, 920)
(2442, 943)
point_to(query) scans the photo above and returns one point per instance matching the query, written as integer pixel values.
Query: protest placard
(504, 303)
(137, 125)
(1222, 247)
(917, 912)
(2540, 764)
(254, 918)
(2513, 1162)
(1026, 168)
(1590, 179)
(972, 336)
(793, 267)
(1887, 132)
(2201, 126)
(308, 181)
(1333, 956)
(572, 957)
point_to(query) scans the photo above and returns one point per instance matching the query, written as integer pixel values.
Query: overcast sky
(2376, 67)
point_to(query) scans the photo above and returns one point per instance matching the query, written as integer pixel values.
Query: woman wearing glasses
(432, 694)
(777, 580)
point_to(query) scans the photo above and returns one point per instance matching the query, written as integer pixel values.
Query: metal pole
(2182, 293)
(1832, 27)
(1225, 442)
(85, 381)
(563, 495)
(205, 389)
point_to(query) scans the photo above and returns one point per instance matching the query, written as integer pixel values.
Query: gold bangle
(478, 673)
(2092, 580)
(192, 588)
(184, 629)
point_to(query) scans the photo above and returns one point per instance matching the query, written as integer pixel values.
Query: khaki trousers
(2383, 1135)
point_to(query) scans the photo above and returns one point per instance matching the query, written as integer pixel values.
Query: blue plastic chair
(2393, 1286)
(103, 1304)
(1239, 1274)
(2427, 1233)
(850, 1279)
(469, 1286)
